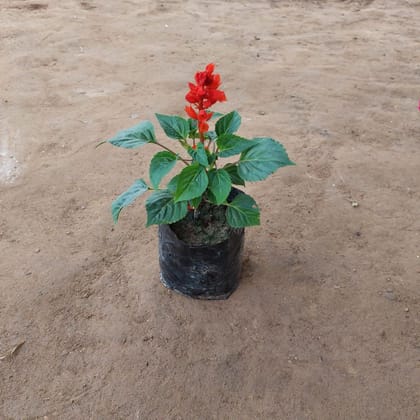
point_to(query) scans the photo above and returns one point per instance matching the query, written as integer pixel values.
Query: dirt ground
(325, 323)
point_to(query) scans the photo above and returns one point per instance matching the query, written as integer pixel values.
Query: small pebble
(38, 250)
(261, 112)
(354, 204)
(406, 310)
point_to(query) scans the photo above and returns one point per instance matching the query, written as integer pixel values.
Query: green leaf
(242, 211)
(192, 183)
(261, 160)
(216, 115)
(160, 165)
(199, 154)
(175, 127)
(135, 136)
(162, 209)
(211, 135)
(192, 124)
(219, 185)
(232, 170)
(172, 184)
(230, 145)
(136, 190)
(212, 157)
(228, 124)
(195, 202)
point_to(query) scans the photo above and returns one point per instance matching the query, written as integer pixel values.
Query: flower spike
(203, 95)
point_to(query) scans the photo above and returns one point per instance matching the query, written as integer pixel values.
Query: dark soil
(204, 226)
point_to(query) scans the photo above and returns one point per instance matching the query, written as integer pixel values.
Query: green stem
(169, 150)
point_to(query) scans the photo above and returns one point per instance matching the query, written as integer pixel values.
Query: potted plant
(200, 213)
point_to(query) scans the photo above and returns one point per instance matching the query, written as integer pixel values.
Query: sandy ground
(325, 323)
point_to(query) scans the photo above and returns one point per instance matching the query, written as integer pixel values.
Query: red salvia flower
(191, 112)
(203, 117)
(203, 95)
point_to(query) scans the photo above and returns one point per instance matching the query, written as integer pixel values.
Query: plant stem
(169, 150)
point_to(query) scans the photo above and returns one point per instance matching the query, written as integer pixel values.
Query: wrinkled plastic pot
(201, 272)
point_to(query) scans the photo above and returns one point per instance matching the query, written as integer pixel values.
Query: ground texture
(325, 323)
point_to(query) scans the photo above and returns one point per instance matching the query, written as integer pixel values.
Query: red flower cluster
(203, 95)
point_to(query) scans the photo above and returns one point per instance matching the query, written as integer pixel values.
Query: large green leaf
(192, 182)
(232, 170)
(175, 127)
(172, 184)
(136, 136)
(219, 185)
(230, 145)
(242, 211)
(162, 209)
(199, 154)
(261, 160)
(160, 165)
(137, 189)
(228, 124)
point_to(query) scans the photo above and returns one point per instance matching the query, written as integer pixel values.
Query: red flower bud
(191, 113)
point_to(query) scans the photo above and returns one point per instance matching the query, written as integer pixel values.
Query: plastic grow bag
(205, 271)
